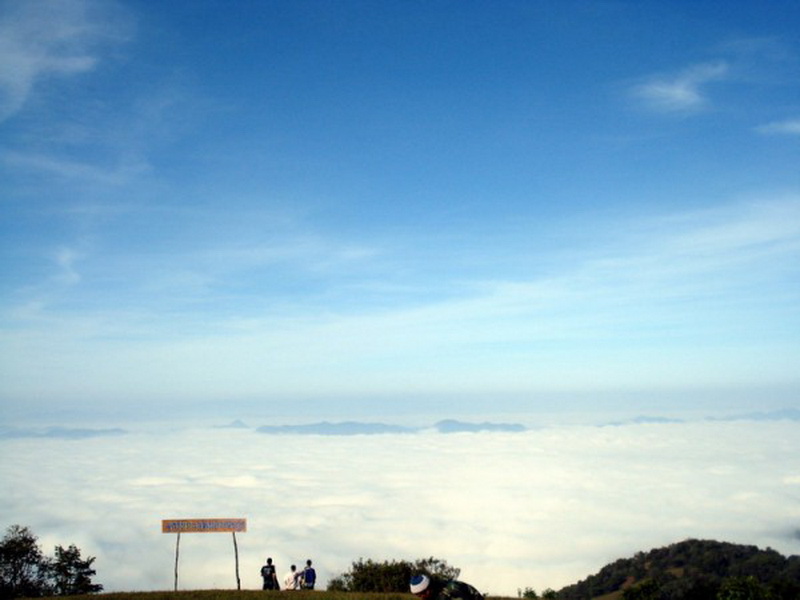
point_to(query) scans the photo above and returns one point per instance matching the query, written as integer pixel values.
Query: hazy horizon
(529, 409)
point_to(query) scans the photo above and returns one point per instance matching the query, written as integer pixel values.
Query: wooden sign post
(205, 526)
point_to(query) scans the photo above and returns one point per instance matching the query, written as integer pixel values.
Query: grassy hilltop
(686, 570)
(245, 595)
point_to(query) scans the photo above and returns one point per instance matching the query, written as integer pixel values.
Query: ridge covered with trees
(694, 570)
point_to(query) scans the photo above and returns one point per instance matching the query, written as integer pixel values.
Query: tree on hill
(693, 570)
(26, 571)
(23, 567)
(389, 576)
(71, 575)
(646, 589)
(742, 588)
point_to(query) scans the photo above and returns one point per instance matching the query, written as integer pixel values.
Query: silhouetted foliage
(25, 571)
(23, 567)
(389, 576)
(695, 570)
(742, 588)
(71, 575)
(647, 589)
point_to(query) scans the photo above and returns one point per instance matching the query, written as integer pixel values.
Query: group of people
(422, 586)
(293, 580)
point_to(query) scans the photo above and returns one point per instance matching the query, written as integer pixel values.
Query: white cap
(419, 583)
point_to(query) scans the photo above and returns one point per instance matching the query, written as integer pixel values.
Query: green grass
(246, 595)
(240, 595)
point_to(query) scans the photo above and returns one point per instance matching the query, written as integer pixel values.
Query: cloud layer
(542, 508)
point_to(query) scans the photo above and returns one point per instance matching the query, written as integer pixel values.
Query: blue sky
(216, 203)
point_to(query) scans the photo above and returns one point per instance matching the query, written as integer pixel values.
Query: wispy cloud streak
(48, 39)
(682, 92)
(787, 127)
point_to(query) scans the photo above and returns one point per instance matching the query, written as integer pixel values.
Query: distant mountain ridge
(360, 428)
(344, 428)
(643, 420)
(328, 428)
(786, 414)
(60, 433)
(453, 426)
(237, 424)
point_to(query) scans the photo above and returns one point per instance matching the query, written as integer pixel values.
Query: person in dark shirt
(309, 576)
(269, 576)
(426, 588)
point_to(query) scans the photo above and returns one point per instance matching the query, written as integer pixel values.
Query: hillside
(692, 569)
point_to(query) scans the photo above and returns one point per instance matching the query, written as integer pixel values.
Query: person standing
(309, 576)
(269, 576)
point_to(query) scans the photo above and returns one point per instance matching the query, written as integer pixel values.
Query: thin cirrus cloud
(665, 286)
(74, 171)
(683, 92)
(541, 508)
(784, 127)
(39, 40)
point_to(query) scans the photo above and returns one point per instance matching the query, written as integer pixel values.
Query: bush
(389, 576)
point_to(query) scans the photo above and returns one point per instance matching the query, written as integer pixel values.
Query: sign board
(180, 526)
(203, 525)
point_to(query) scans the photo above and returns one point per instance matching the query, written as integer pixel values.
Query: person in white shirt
(291, 581)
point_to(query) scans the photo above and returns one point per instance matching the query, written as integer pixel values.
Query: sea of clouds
(542, 508)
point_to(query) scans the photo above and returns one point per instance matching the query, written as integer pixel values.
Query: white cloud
(787, 127)
(70, 170)
(50, 38)
(542, 508)
(683, 92)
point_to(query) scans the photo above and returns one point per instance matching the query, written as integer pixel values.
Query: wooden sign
(180, 526)
(203, 525)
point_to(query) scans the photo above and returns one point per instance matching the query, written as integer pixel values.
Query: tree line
(26, 571)
(689, 570)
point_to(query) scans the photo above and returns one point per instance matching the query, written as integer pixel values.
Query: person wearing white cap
(426, 588)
